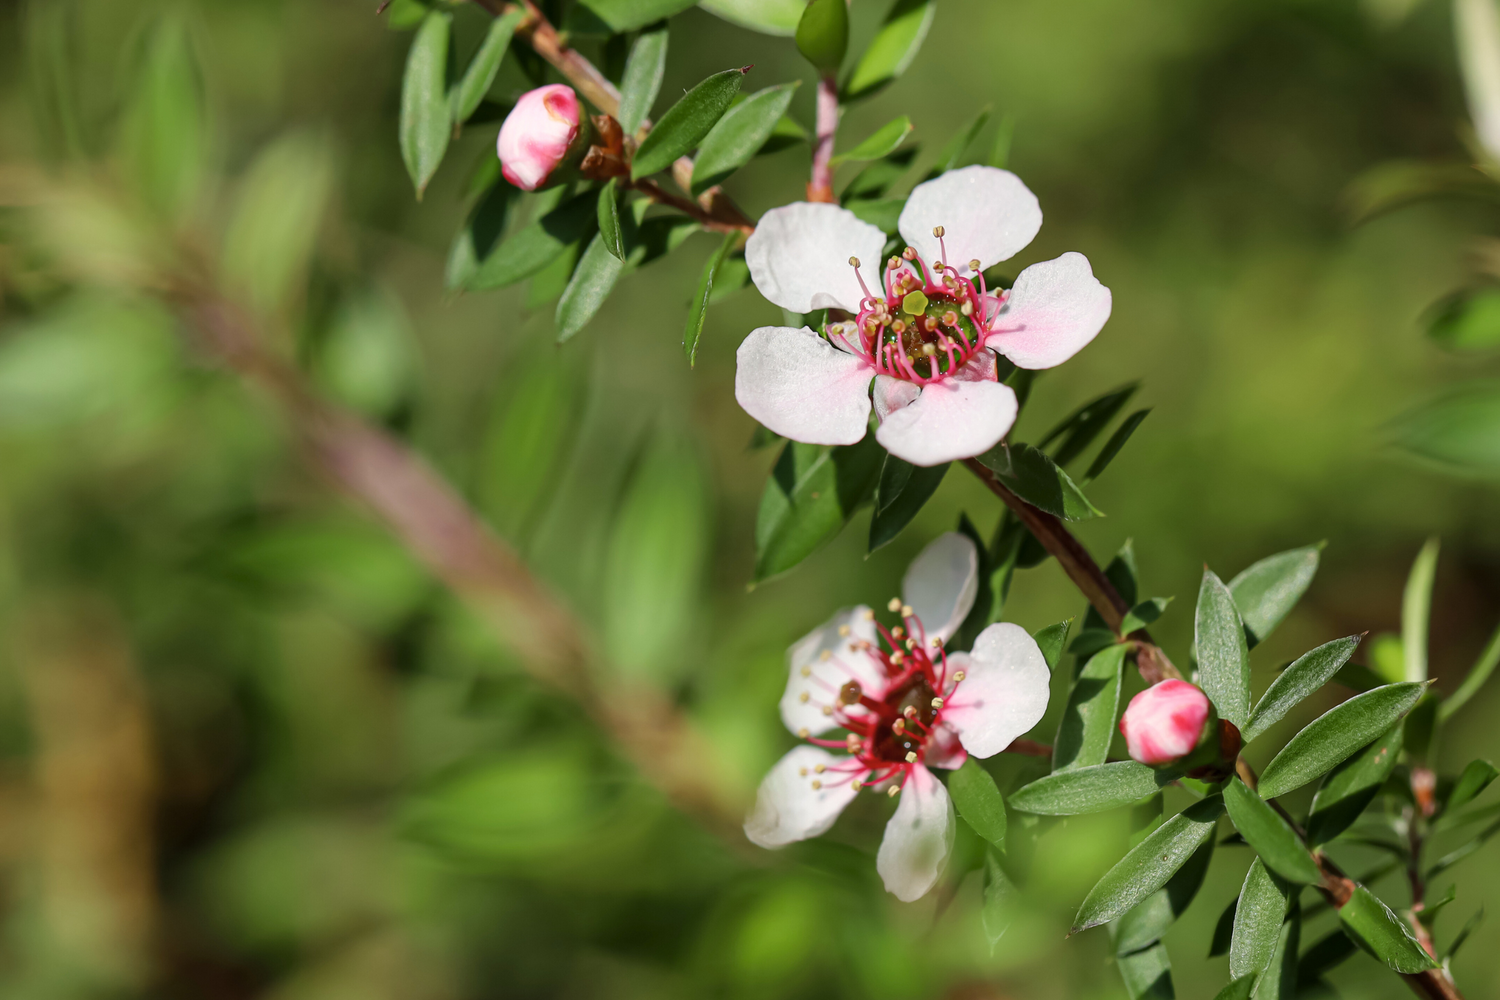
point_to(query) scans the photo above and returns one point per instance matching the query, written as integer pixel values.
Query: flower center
(930, 322)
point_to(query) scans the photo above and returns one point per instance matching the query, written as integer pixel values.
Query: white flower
(904, 708)
(926, 338)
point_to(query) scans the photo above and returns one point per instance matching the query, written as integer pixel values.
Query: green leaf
(1416, 609)
(1327, 953)
(426, 114)
(1224, 929)
(643, 75)
(1149, 919)
(811, 494)
(1223, 658)
(654, 564)
(593, 279)
(771, 17)
(1035, 478)
(1143, 614)
(1463, 935)
(1459, 431)
(470, 90)
(902, 491)
(480, 232)
(405, 14)
(1051, 641)
(701, 297)
(1092, 789)
(627, 15)
(880, 143)
(1474, 680)
(1334, 736)
(1279, 981)
(367, 358)
(548, 284)
(1352, 786)
(1113, 445)
(1268, 590)
(1086, 423)
(978, 801)
(1475, 779)
(1238, 989)
(1307, 673)
(1005, 132)
(739, 135)
(686, 123)
(277, 213)
(1372, 926)
(527, 444)
(1000, 899)
(823, 34)
(1467, 320)
(1271, 836)
(164, 135)
(610, 230)
(882, 213)
(1149, 864)
(538, 244)
(875, 180)
(952, 154)
(1147, 973)
(894, 47)
(1088, 721)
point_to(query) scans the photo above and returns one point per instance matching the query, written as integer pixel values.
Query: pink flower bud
(538, 135)
(1165, 722)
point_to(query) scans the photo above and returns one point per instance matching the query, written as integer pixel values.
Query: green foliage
(593, 279)
(701, 298)
(1238, 989)
(1150, 864)
(1146, 922)
(1349, 788)
(1143, 614)
(900, 494)
(1147, 973)
(978, 801)
(740, 134)
(627, 15)
(1306, 674)
(686, 123)
(951, 156)
(426, 111)
(1035, 478)
(1088, 721)
(1476, 777)
(532, 248)
(1372, 926)
(812, 493)
(1113, 445)
(823, 34)
(611, 231)
(1091, 789)
(1050, 641)
(643, 75)
(1079, 429)
(530, 437)
(1267, 591)
(483, 68)
(164, 134)
(1223, 656)
(773, 17)
(1270, 835)
(1334, 736)
(1458, 431)
(879, 144)
(1468, 320)
(893, 49)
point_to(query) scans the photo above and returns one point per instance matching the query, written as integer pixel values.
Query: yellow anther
(974, 265)
(909, 253)
(853, 261)
(843, 630)
(937, 703)
(802, 771)
(967, 308)
(893, 791)
(937, 231)
(936, 642)
(894, 263)
(899, 726)
(959, 676)
(911, 757)
(827, 709)
(803, 733)
(929, 349)
(820, 768)
(895, 604)
(825, 655)
(911, 644)
(906, 611)
(816, 784)
(803, 697)
(898, 631)
(868, 615)
(911, 712)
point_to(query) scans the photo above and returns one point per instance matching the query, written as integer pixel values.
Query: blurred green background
(248, 748)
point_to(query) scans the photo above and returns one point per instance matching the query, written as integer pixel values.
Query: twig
(820, 187)
(1075, 560)
(656, 193)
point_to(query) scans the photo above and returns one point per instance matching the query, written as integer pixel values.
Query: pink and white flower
(904, 708)
(539, 135)
(927, 335)
(1165, 722)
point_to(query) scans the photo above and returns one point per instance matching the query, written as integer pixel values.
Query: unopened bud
(543, 132)
(1167, 722)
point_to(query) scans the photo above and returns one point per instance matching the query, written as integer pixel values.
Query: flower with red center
(1165, 722)
(904, 704)
(540, 134)
(927, 334)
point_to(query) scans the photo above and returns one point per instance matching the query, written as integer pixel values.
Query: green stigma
(914, 304)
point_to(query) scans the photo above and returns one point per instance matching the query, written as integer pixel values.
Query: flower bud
(544, 132)
(1167, 722)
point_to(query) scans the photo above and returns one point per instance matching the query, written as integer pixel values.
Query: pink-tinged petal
(986, 213)
(982, 367)
(799, 256)
(802, 387)
(952, 419)
(918, 838)
(538, 134)
(1054, 310)
(1004, 691)
(814, 680)
(944, 749)
(941, 584)
(788, 808)
(1164, 722)
(891, 394)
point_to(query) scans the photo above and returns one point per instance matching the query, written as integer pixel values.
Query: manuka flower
(926, 335)
(905, 704)
(543, 132)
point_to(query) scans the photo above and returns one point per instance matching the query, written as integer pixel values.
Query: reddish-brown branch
(820, 187)
(658, 194)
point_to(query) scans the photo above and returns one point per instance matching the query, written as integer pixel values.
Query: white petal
(918, 837)
(985, 213)
(802, 387)
(799, 256)
(891, 394)
(1054, 310)
(1478, 26)
(952, 419)
(825, 676)
(941, 583)
(788, 808)
(1004, 691)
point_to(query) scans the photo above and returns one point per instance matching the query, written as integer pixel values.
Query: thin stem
(820, 188)
(1086, 575)
(656, 193)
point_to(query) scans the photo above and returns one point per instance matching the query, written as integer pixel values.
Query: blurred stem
(1075, 560)
(596, 88)
(820, 188)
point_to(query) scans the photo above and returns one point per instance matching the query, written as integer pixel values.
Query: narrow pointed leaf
(1150, 864)
(739, 135)
(164, 134)
(475, 83)
(1051, 641)
(538, 244)
(426, 114)
(1336, 735)
(1088, 789)
(1113, 445)
(1475, 779)
(900, 497)
(479, 235)
(1478, 674)
(1143, 614)
(1372, 925)
(1238, 989)
(875, 180)
(1416, 609)
(1147, 973)
(1271, 836)
(1224, 930)
(978, 801)
(1352, 786)
(610, 229)
(1307, 673)
(593, 279)
(701, 297)
(1000, 899)
(1088, 721)
(951, 156)
(1149, 919)
(686, 123)
(1032, 475)
(1266, 591)
(894, 47)
(1279, 981)
(627, 15)
(1079, 428)
(811, 494)
(1324, 955)
(1223, 658)
(643, 75)
(823, 34)
(1463, 935)
(879, 144)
